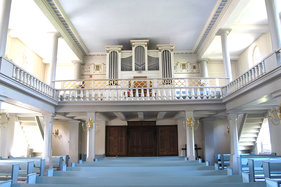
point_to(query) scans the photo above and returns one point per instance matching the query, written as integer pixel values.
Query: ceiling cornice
(55, 13)
(214, 17)
(225, 8)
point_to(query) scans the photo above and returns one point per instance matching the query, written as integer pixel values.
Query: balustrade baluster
(180, 94)
(158, 94)
(142, 94)
(147, 94)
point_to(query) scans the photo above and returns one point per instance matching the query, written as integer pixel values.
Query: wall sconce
(192, 123)
(90, 123)
(275, 116)
(56, 132)
(4, 121)
(228, 129)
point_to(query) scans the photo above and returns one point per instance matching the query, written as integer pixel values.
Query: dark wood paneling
(167, 138)
(116, 141)
(141, 123)
(142, 141)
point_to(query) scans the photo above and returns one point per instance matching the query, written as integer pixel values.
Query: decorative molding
(186, 67)
(55, 13)
(207, 29)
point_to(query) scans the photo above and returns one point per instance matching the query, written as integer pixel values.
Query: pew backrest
(272, 168)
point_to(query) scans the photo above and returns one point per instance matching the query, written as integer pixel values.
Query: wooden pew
(164, 185)
(272, 170)
(129, 173)
(140, 181)
(9, 172)
(29, 165)
(6, 183)
(243, 166)
(257, 169)
(223, 161)
(273, 183)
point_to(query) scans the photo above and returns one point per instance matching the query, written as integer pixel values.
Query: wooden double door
(141, 139)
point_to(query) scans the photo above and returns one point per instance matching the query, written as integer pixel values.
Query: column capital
(189, 114)
(223, 31)
(77, 61)
(55, 34)
(204, 60)
(232, 116)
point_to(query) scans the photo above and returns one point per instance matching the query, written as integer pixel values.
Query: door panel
(116, 141)
(142, 141)
(167, 138)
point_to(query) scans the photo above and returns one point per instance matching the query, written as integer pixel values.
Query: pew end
(272, 183)
(229, 171)
(50, 172)
(6, 183)
(31, 178)
(245, 177)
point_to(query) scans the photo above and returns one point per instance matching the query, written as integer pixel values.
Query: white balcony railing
(269, 63)
(140, 89)
(13, 71)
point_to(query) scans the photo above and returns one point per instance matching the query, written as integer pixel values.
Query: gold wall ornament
(90, 123)
(228, 129)
(190, 122)
(56, 132)
(275, 116)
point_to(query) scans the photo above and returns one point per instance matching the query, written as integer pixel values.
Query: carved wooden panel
(167, 139)
(116, 141)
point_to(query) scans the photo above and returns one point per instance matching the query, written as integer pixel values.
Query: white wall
(245, 60)
(6, 136)
(216, 68)
(66, 143)
(217, 138)
(275, 138)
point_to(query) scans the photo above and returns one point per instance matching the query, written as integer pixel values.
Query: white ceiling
(109, 22)
(248, 21)
(31, 26)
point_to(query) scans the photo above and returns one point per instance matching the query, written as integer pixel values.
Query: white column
(209, 141)
(190, 151)
(274, 25)
(73, 140)
(77, 69)
(54, 58)
(204, 68)
(48, 129)
(91, 138)
(5, 9)
(234, 160)
(9, 133)
(274, 124)
(225, 52)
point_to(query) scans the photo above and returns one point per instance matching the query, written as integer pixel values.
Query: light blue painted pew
(6, 183)
(223, 161)
(163, 185)
(9, 172)
(145, 173)
(272, 170)
(243, 166)
(29, 165)
(273, 182)
(256, 168)
(141, 181)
